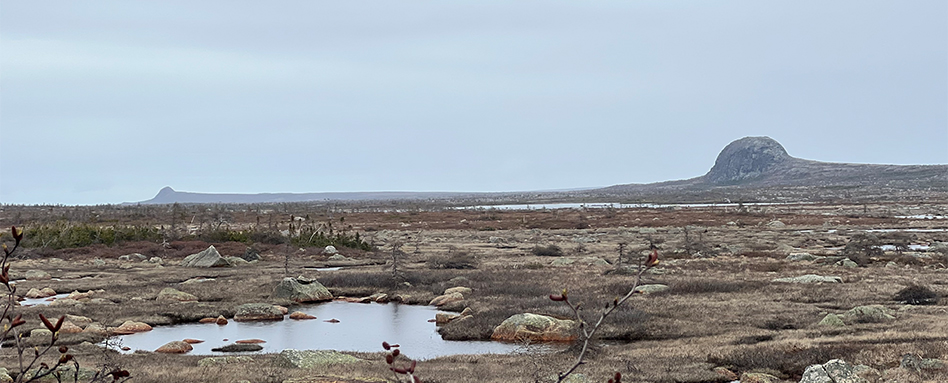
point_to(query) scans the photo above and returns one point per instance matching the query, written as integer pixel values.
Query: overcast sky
(109, 101)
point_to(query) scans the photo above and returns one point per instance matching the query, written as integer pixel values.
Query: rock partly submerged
(296, 290)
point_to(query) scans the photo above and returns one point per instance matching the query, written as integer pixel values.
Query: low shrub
(547, 251)
(787, 359)
(457, 261)
(705, 286)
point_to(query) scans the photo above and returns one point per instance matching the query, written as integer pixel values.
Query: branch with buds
(392, 357)
(586, 332)
(27, 373)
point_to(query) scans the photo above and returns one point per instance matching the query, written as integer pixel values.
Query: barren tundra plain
(724, 313)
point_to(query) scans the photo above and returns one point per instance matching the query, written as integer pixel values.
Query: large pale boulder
(650, 289)
(257, 312)
(36, 275)
(169, 294)
(535, 328)
(445, 299)
(869, 314)
(810, 278)
(131, 327)
(834, 371)
(312, 358)
(292, 289)
(207, 258)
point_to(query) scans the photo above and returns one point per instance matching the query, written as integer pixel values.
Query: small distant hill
(167, 195)
(760, 165)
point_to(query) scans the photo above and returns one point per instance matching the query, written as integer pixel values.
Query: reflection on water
(361, 327)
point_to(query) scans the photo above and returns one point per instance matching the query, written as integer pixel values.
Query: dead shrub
(916, 295)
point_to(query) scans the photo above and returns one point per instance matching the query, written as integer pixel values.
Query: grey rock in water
(257, 312)
(292, 289)
(207, 258)
(312, 358)
(869, 314)
(238, 347)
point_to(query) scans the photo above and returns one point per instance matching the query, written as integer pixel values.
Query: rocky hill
(759, 168)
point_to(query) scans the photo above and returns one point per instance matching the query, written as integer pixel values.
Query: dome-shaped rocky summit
(745, 159)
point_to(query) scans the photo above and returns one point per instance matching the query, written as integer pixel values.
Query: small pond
(361, 327)
(41, 301)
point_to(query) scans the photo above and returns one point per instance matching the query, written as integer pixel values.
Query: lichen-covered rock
(210, 257)
(834, 371)
(80, 321)
(444, 318)
(810, 278)
(464, 291)
(445, 299)
(70, 328)
(257, 312)
(292, 289)
(175, 347)
(869, 314)
(832, 320)
(795, 257)
(535, 327)
(650, 289)
(169, 294)
(758, 377)
(131, 327)
(312, 358)
(36, 275)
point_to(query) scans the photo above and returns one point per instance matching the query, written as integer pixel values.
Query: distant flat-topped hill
(167, 195)
(749, 169)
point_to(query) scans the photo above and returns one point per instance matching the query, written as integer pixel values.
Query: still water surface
(361, 327)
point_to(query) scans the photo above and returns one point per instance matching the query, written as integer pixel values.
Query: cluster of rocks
(826, 260)
(839, 371)
(451, 295)
(859, 314)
